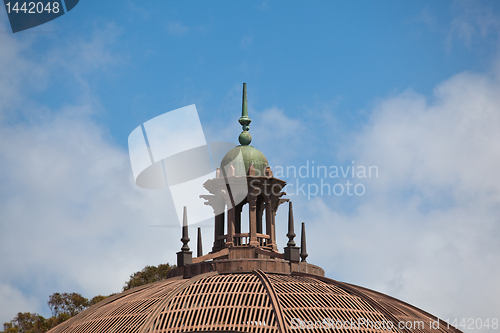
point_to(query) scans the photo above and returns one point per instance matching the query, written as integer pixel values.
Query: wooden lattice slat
(232, 302)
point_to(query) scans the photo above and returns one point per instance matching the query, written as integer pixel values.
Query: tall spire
(185, 238)
(245, 138)
(303, 250)
(291, 231)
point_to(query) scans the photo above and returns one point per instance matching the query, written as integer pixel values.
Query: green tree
(9, 328)
(97, 299)
(147, 275)
(25, 322)
(66, 305)
(54, 321)
(70, 304)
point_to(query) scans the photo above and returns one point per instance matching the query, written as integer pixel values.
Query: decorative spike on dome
(185, 238)
(291, 232)
(291, 251)
(303, 250)
(245, 138)
(199, 245)
(184, 257)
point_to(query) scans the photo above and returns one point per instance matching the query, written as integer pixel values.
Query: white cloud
(471, 22)
(72, 219)
(428, 233)
(12, 299)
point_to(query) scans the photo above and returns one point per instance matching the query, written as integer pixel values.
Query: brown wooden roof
(247, 302)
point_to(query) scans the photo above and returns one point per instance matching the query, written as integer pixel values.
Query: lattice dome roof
(249, 302)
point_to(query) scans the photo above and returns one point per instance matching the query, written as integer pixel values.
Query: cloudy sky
(409, 88)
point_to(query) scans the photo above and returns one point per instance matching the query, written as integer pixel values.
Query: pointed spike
(245, 138)
(303, 250)
(291, 232)
(185, 238)
(184, 217)
(244, 106)
(199, 246)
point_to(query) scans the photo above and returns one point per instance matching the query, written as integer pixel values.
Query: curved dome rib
(274, 300)
(304, 298)
(221, 302)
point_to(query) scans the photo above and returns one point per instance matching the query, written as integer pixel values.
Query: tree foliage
(66, 305)
(147, 275)
(70, 304)
(26, 322)
(97, 299)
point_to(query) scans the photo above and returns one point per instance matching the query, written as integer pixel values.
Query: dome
(244, 284)
(250, 156)
(250, 302)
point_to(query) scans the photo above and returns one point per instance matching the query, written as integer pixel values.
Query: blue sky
(410, 87)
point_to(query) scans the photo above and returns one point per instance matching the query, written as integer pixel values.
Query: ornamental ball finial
(245, 138)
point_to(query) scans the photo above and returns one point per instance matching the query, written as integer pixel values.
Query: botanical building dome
(251, 302)
(245, 284)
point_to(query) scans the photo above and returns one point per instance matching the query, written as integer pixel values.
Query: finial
(185, 239)
(184, 257)
(199, 247)
(291, 232)
(245, 138)
(291, 251)
(303, 250)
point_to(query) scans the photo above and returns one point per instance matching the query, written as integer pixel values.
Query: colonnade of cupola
(230, 194)
(245, 197)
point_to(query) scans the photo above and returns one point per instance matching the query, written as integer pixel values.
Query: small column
(291, 251)
(230, 227)
(252, 218)
(303, 250)
(273, 222)
(184, 257)
(272, 225)
(219, 231)
(199, 247)
(269, 219)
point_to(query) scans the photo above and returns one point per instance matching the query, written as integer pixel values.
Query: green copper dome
(250, 155)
